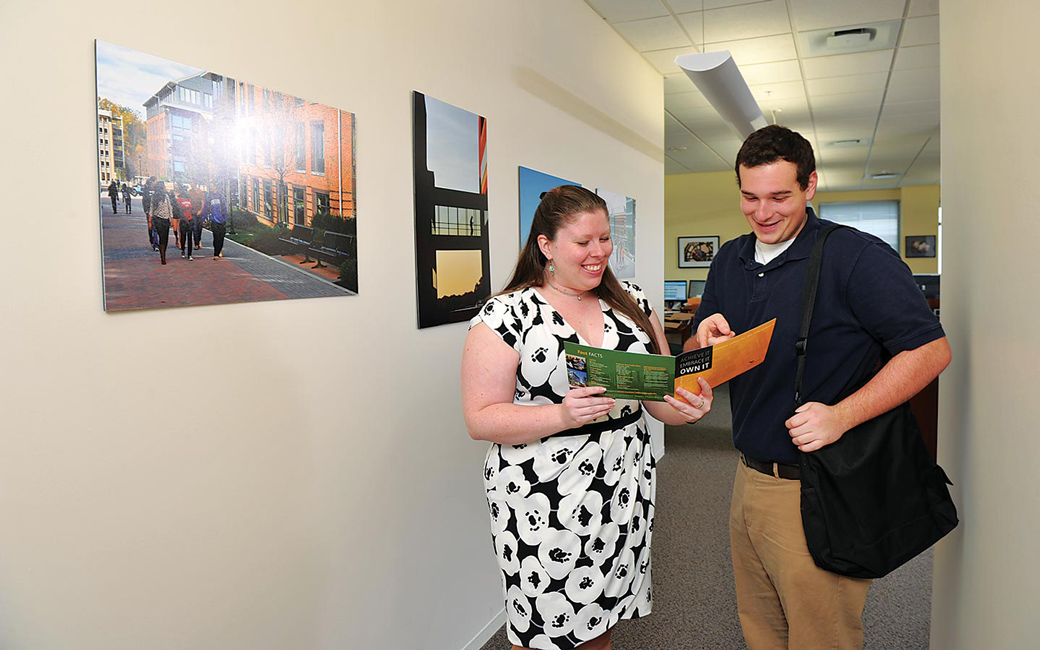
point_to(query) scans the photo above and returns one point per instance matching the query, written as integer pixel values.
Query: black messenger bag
(874, 499)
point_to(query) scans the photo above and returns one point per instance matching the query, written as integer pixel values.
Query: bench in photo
(301, 237)
(334, 247)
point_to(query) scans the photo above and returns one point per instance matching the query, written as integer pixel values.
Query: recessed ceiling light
(676, 148)
(857, 37)
(846, 40)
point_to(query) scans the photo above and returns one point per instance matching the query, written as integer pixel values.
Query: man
(113, 194)
(868, 309)
(182, 209)
(218, 222)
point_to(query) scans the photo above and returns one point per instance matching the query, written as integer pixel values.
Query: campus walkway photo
(135, 278)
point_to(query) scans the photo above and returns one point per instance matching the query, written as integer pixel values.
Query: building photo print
(452, 247)
(215, 190)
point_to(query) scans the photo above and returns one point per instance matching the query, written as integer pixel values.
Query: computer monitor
(674, 293)
(696, 288)
(928, 283)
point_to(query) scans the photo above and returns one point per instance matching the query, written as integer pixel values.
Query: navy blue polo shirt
(867, 304)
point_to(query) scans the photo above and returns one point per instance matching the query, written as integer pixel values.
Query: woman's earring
(552, 269)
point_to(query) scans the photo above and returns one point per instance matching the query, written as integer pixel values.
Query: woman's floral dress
(571, 514)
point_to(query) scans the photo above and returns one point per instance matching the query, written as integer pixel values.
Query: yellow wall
(698, 205)
(704, 205)
(919, 211)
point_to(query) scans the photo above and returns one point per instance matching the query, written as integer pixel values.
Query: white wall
(324, 497)
(987, 584)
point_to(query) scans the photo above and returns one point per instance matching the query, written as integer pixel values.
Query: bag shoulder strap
(812, 281)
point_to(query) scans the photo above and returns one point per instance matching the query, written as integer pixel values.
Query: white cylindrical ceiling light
(716, 75)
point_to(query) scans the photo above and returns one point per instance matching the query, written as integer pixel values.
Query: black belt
(782, 470)
(594, 428)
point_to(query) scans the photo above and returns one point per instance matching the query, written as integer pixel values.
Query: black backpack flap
(873, 499)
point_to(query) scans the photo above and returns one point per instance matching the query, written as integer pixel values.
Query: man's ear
(810, 189)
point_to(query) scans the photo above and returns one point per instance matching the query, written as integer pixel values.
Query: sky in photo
(532, 185)
(452, 146)
(128, 77)
(457, 272)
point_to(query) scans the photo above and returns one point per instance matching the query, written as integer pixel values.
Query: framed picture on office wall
(621, 210)
(920, 246)
(253, 188)
(452, 247)
(697, 252)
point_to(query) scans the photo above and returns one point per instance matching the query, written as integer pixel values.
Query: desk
(677, 327)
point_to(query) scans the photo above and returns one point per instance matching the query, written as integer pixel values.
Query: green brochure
(626, 375)
(649, 377)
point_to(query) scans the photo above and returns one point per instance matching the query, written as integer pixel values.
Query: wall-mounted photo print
(452, 248)
(533, 184)
(920, 246)
(622, 213)
(215, 190)
(697, 252)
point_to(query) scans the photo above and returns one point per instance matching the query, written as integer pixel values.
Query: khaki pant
(784, 599)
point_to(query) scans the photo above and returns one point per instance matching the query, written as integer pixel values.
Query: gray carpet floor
(695, 603)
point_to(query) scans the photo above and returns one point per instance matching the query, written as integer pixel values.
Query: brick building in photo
(177, 116)
(296, 158)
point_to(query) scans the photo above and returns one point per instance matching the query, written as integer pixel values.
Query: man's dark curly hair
(772, 143)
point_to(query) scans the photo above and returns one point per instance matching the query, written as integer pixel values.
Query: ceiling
(886, 97)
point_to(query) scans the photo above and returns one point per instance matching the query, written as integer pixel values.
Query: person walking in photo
(217, 223)
(182, 208)
(198, 209)
(570, 474)
(176, 217)
(162, 215)
(176, 223)
(113, 194)
(126, 198)
(876, 344)
(146, 204)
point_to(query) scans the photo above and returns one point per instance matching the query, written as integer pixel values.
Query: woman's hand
(581, 406)
(690, 406)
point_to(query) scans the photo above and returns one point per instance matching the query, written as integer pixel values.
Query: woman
(146, 204)
(162, 213)
(182, 211)
(570, 476)
(126, 197)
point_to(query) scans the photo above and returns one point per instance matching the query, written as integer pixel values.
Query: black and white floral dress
(571, 514)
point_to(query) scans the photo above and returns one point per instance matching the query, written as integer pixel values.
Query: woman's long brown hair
(558, 208)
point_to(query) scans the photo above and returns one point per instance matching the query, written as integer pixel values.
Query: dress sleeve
(640, 297)
(500, 315)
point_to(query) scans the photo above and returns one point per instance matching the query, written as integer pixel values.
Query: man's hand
(712, 330)
(815, 425)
